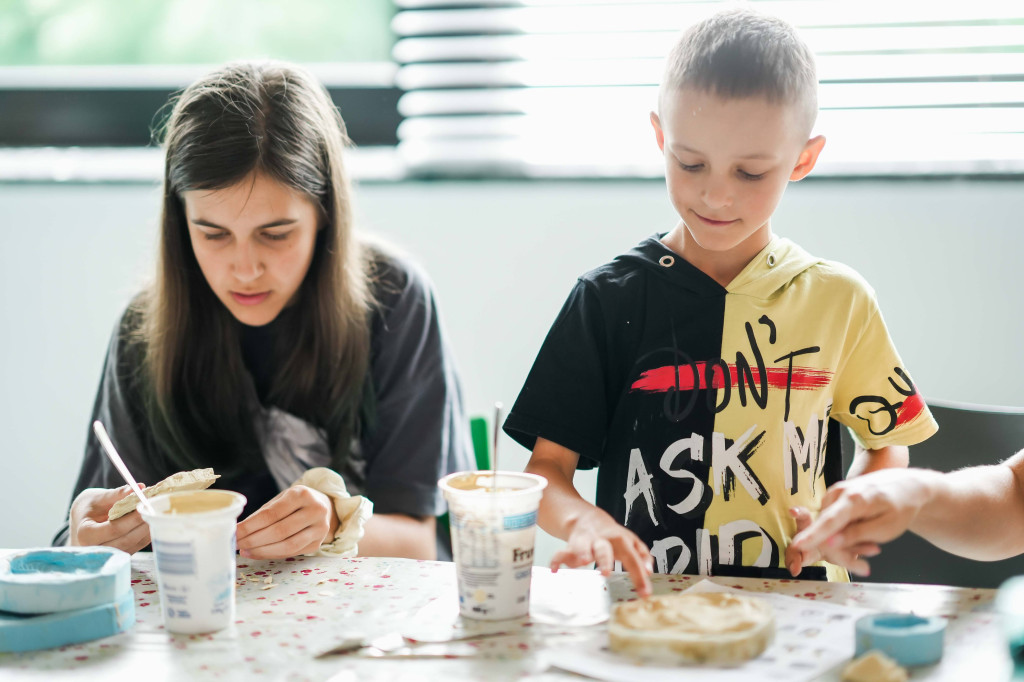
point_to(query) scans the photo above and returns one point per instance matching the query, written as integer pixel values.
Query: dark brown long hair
(245, 118)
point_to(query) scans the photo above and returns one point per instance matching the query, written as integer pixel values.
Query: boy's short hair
(739, 53)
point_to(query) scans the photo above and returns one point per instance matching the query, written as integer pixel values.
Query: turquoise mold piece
(55, 579)
(30, 633)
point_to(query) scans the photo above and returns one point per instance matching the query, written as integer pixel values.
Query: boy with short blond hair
(701, 370)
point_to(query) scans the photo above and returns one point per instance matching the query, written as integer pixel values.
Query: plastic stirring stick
(108, 447)
(494, 446)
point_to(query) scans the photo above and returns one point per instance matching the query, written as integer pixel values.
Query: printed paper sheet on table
(811, 638)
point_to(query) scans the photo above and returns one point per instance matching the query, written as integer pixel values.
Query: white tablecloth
(312, 604)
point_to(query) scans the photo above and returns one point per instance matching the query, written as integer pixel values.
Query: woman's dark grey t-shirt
(420, 430)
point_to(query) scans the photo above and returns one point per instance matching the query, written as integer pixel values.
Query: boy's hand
(88, 524)
(296, 521)
(597, 537)
(796, 558)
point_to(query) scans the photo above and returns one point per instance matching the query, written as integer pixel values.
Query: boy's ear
(656, 122)
(808, 157)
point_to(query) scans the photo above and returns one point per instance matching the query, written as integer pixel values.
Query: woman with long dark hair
(299, 361)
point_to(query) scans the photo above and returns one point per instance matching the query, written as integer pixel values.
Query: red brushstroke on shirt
(664, 378)
(910, 408)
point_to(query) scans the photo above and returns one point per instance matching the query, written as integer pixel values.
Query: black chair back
(968, 435)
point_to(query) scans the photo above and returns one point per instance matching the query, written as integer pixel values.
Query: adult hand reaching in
(850, 557)
(856, 515)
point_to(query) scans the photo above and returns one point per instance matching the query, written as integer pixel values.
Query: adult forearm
(399, 535)
(976, 512)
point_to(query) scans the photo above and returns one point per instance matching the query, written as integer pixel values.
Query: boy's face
(727, 163)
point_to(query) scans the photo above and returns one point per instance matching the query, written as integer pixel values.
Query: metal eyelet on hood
(666, 261)
(772, 260)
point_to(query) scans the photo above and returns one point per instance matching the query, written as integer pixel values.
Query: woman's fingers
(289, 501)
(306, 541)
(274, 532)
(277, 534)
(98, 504)
(128, 533)
(132, 541)
(269, 514)
(89, 525)
(296, 520)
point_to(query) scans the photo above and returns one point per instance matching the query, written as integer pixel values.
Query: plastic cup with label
(193, 536)
(493, 518)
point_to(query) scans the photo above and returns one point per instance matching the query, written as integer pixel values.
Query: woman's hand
(297, 521)
(88, 524)
(597, 537)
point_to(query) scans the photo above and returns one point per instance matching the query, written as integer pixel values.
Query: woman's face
(254, 243)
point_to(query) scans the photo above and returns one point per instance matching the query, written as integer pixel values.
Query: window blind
(563, 88)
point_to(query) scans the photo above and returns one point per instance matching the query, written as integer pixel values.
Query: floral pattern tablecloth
(291, 611)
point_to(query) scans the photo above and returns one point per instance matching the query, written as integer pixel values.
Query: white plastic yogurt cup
(493, 524)
(193, 534)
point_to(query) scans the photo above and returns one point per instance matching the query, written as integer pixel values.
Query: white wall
(944, 257)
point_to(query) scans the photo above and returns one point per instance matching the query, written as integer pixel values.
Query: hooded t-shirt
(707, 408)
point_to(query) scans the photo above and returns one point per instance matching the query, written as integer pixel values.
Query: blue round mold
(907, 639)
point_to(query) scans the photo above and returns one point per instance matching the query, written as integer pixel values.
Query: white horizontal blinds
(562, 87)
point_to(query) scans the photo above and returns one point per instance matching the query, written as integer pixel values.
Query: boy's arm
(591, 534)
(888, 457)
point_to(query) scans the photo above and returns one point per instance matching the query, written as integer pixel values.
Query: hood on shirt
(774, 267)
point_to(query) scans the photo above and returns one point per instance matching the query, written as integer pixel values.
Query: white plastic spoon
(494, 446)
(108, 447)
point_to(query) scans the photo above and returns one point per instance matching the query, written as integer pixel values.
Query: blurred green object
(482, 452)
(481, 442)
(115, 32)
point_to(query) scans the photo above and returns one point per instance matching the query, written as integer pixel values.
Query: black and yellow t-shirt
(707, 408)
